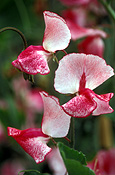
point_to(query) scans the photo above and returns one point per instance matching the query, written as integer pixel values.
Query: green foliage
(74, 161)
(70, 153)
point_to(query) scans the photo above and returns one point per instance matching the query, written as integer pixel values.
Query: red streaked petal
(34, 60)
(55, 121)
(57, 34)
(33, 141)
(82, 105)
(103, 104)
(73, 66)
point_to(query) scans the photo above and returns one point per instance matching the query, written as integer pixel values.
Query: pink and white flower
(104, 162)
(57, 36)
(79, 74)
(55, 124)
(77, 21)
(11, 167)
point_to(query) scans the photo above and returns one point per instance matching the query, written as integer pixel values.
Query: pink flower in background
(104, 163)
(77, 16)
(55, 123)
(57, 36)
(2, 134)
(27, 99)
(78, 26)
(79, 74)
(75, 2)
(34, 100)
(56, 163)
(11, 167)
(92, 45)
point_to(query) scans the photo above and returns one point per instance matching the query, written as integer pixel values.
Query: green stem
(18, 31)
(72, 133)
(108, 9)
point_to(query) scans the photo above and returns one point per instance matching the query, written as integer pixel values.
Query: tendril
(18, 31)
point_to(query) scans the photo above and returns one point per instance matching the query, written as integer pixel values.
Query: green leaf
(75, 167)
(74, 161)
(70, 153)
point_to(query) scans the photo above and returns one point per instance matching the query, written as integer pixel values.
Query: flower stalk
(72, 132)
(17, 31)
(108, 9)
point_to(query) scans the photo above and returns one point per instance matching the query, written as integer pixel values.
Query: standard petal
(81, 106)
(33, 141)
(96, 71)
(55, 121)
(57, 34)
(69, 73)
(34, 60)
(77, 71)
(103, 104)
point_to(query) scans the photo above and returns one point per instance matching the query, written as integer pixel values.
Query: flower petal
(55, 121)
(103, 104)
(78, 71)
(33, 141)
(57, 35)
(69, 73)
(80, 32)
(33, 60)
(96, 71)
(16, 64)
(82, 105)
(92, 45)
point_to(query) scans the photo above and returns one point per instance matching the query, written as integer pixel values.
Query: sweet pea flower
(79, 74)
(92, 45)
(55, 123)
(11, 167)
(104, 162)
(78, 26)
(34, 59)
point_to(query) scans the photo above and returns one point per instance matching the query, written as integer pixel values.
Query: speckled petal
(16, 64)
(33, 141)
(82, 105)
(57, 34)
(55, 121)
(34, 60)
